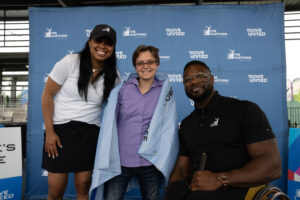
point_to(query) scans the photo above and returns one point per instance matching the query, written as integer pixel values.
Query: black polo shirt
(222, 129)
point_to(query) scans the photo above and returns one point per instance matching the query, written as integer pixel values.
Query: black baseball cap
(102, 30)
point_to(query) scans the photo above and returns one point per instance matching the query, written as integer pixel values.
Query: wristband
(223, 179)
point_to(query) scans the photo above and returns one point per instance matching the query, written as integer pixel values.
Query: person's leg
(57, 183)
(115, 188)
(82, 184)
(149, 178)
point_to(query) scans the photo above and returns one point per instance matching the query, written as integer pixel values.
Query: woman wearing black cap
(71, 102)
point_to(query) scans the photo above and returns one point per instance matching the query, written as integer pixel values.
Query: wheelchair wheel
(280, 196)
(266, 193)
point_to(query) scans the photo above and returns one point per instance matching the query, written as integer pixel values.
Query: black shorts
(79, 141)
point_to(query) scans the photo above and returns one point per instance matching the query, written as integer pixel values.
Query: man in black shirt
(235, 136)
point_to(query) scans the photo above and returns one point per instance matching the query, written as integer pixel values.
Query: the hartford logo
(120, 55)
(107, 29)
(125, 76)
(174, 32)
(164, 58)
(208, 31)
(128, 32)
(6, 195)
(198, 54)
(88, 32)
(44, 173)
(175, 78)
(46, 77)
(53, 34)
(221, 80)
(256, 32)
(70, 51)
(236, 56)
(192, 102)
(257, 78)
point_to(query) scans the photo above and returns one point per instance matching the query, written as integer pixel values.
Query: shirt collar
(212, 104)
(156, 83)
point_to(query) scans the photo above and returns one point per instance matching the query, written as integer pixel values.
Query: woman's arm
(51, 88)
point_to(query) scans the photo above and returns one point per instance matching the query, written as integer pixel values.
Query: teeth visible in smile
(101, 53)
(195, 89)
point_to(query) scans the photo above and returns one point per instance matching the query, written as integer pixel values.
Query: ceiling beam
(292, 8)
(62, 3)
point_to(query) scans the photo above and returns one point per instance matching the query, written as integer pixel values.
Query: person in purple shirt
(137, 101)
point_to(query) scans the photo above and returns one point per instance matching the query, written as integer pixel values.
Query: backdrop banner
(242, 44)
(10, 163)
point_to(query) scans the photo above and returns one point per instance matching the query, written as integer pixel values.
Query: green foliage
(297, 97)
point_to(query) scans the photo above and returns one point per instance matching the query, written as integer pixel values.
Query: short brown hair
(142, 48)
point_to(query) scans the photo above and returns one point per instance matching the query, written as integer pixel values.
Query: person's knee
(83, 187)
(57, 183)
(55, 194)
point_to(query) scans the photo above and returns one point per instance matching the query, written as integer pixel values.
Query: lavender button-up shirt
(134, 112)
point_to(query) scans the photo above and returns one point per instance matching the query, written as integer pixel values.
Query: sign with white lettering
(294, 164)
(10, 163)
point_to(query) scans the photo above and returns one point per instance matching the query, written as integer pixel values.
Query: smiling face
(198, 83)
(100, 49)
(146, 66)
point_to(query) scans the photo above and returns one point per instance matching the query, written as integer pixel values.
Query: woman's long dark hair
(109, 72)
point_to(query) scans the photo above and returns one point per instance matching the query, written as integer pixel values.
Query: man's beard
(201, 97)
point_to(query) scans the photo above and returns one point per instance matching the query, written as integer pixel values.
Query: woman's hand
(51, 143)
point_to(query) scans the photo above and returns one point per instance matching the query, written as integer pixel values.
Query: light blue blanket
(161, 147)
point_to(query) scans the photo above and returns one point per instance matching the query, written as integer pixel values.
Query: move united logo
(198, 54)
(164, 58)
(175, 32)
(6, 195)
(120, 55)
(257, 78)
(177, 78)
(256, 32)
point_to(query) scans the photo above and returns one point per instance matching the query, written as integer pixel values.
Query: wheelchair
(266, 192)
(263, 192)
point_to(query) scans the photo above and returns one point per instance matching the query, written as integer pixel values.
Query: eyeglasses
(148, 63)
(199, 76)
